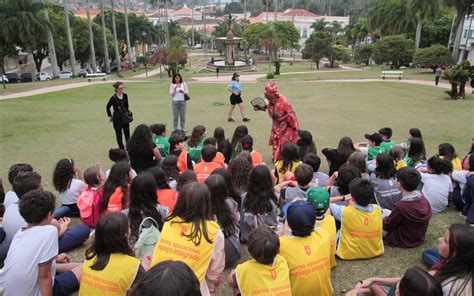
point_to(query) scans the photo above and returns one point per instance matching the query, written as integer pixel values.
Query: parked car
(3, 78)
(12, 77)
(82, 73)
(43, 76)
(26, 77)
(65, 75)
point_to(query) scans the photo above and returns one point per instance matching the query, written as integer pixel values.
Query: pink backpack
(89, 205)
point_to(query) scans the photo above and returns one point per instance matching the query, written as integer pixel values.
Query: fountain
(229, 63)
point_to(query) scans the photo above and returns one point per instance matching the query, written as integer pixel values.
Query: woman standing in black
(119, 102)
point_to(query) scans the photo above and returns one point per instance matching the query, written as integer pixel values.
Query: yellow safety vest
(329, 224)
(259, 279)
(115, 279)
(361, 234)
(173, 245)
(309, 263)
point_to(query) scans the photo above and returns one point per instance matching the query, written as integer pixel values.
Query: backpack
(147, 238)
(89, 206)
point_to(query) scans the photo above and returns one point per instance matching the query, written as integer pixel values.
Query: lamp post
(145, 60)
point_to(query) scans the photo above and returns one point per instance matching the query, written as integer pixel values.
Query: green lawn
(43, 129)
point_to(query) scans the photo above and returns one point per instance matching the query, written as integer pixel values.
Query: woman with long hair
(143, 152)
(230, 188)
(110, 259)
(235, 89)
(227, 214)
(223, 144)
(287, 164)
(239, 170)
(385, 182)
(119, 102)
(258, 204)
(239, 132)
(190, 235)
(116, 193)
(178, 92)
(340, 155)
(196, 142)
(67, 180)
(144, 204)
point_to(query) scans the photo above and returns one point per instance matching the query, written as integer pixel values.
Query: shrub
(270, 75)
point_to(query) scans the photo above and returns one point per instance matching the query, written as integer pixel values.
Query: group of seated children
(197, 205)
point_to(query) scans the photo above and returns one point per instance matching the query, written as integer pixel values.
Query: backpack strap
(143, 222)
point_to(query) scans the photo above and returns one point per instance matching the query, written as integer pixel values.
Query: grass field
(43, 129)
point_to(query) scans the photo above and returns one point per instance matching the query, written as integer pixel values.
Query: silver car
(65, 75)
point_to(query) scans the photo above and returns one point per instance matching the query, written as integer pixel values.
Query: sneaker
(246, 119)
(230, 119)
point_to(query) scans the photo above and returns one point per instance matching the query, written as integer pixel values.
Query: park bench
(396, 74)
(90, 76)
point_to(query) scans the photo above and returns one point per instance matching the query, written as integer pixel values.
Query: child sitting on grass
(196, 142)
(319, 178)
(384, 182)
(306, 251)
(219, 158)
(10, 196)
(437, 185)
(120, 155)
(178, 148)
(408, 222)
(398, 156)
(247, 145)
(303, 175)
(387, 143)
(361, 223)
(33, 261)
(207, 165)
(372, 147)
(67, 180)
(160, 139)
(89, 200)
(266, 272)
(285, 167)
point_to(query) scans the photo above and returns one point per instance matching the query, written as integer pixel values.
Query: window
(305, 33)
(472, 34)
(465, 34)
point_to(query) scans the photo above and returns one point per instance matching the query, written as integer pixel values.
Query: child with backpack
(89, 200)
(110, 264)
(67, 180)
(266, 271)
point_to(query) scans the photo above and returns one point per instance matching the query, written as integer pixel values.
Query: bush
(433, 56)
(270, 75)
(363, 54)
(395, 49)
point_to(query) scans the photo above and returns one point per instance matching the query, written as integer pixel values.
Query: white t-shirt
(10, 198)
(12, 222)
(75, 189)
(179, 96)
(458, 176)
(30, 248)
(133, 174)
(436, 189)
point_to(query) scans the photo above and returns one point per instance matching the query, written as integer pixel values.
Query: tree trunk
(72, 57)
(127, 33)
(266, 8)
(51, 48)
(91, 39)
(462, 90)
(454, 91)
(275, 7)
(114, 30)
(418, 32)
(457, 39)
(104, 38)
(31, 62)
(317, 64)
(245, 9)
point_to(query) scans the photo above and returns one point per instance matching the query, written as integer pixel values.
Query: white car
(3, 78)
(43, 76)
(65, 75)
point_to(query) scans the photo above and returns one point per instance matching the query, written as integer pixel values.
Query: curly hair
(260, 191)
(196, 135)
(239, 170)
(63, 174)
(36, 205)
(140, 142)
(16, 168)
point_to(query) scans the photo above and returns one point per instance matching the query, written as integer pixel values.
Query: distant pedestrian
(217, 72)
(438, 72)
(236, 98)
(472, 85)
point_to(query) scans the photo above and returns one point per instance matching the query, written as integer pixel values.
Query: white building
(466, 49)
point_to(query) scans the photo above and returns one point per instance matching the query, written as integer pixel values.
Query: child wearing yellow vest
(190, 235)
(361, 223)
(267, 273)
(307, 251)
(318, 197)
(109, 267)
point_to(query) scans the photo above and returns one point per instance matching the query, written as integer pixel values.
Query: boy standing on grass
(267, 273)
(30, 267)
(307, 252)
(361, 223)
(387, 143)
(408, 222)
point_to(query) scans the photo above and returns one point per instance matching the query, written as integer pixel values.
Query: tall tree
(91, 38)
(72, 56)
(421, 9)
(127, 33)
(104, 38)
(462, 7)
(51, 48)
(114, 31)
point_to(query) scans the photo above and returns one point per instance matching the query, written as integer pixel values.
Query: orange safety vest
(182, 161)
(204, 169)
(167, 198)
(257, 158)
(220, 159)
(115, 201)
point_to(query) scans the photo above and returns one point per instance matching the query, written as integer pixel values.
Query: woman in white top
(178, 91)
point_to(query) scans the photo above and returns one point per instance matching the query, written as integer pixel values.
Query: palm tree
(91, 38)
(462, 7)
(72, 57)
(114, 31)
(421, 9)
(127, 33)
(51, 48)
(104, 38)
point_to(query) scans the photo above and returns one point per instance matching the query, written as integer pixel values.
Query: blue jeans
(73, 237)
(179, 109)
(430, 256)
(66, 211)
(65, 283)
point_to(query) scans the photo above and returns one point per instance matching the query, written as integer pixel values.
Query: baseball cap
(318, 197)
(376, 137)
(300, 216)
(305, 136)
